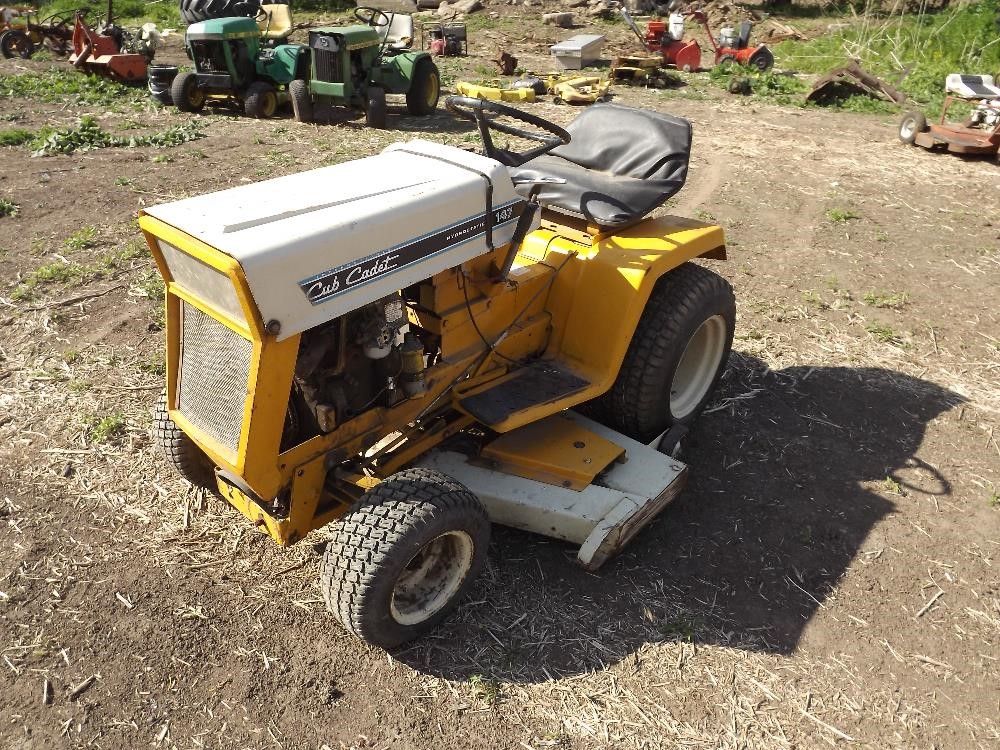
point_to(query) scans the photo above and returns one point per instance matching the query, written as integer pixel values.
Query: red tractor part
(683, 54)
(101, 54)
(738, 49)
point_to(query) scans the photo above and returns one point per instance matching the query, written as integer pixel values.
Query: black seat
(621, 164)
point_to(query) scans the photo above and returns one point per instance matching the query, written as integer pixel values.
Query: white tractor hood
(318, 244)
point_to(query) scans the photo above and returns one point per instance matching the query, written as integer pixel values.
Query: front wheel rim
(697, 367)
(432, 578)
(433, 91)
(270, 104)
(908, 128)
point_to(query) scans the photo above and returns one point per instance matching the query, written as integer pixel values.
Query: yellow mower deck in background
(415, 344)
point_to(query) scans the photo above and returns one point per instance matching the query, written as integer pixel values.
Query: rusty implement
(852, 79)
(101, 54)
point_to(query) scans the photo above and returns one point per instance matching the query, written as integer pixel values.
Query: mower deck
(958, 139)
(603, 517)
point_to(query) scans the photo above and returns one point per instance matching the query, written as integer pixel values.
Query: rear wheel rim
(269, 105)
(432, 578)
(195, 97)
(697, 367)
(433, 90)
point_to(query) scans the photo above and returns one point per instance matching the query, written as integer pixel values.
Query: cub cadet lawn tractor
(243, 61)
(414, 344)
(356, 66)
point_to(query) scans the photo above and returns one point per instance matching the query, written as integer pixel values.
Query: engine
(366, 358)
(986, 115)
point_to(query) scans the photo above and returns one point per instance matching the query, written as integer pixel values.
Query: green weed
(891, 300)
(88, 135)
(8, 208)
(81, 239)
(485, 690)
(891, 486)
(884, 333)
(61, 86)
(107, 428)
(681, 628)
(841, 214)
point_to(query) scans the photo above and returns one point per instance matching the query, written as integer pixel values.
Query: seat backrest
(399, 30)
(971, 86)
(744, 38)
(275, 21)
(629, 142)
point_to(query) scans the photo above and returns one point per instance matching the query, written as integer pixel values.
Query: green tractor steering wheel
(474, 110)
(371, 16)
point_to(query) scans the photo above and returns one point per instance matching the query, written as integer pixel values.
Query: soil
(828, 576)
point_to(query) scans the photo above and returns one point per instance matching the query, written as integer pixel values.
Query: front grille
(327, 66)
(212, 382)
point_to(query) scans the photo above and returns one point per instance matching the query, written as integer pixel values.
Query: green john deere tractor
(356, 66)
(241, 59)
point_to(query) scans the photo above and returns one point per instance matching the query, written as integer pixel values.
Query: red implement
(101, 54)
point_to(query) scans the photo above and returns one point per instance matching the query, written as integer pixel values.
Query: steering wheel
(474, 110)
(371, 16)
(55, 21)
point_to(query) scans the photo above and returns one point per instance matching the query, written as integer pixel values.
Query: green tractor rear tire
(675, 358)
(298, 92)
(261, 100)
(425, 88)
(186, 94)
(375, 111)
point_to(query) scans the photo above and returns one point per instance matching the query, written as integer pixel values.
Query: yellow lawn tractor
(413, 345)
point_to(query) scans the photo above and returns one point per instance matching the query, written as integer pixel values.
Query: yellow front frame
(577, 296)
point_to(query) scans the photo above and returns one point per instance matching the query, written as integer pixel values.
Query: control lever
(527, 217)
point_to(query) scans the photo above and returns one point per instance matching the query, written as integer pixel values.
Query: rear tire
(181, 453)
(375, 111)
(15, 43)
(193, 11)
(425, 89)
(186, 94)
(404, 557)
(675, 358)
(762, 59)
(261, 100)
(912, 123)
(302, 109)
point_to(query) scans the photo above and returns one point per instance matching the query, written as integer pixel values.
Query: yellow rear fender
(597, 299)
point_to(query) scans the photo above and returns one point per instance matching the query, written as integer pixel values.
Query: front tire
(404, 557)
(181, 453)
(302, 109)
(676, 356)
(375, 109)
(186, 94)
(425, 89)
(261, 100)
(762, 59)
(912, 123)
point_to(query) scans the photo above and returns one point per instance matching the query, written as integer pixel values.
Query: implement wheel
(912, 124)
(180, 451)
(186, 94)
(15, 43)
(425, 88)
(676, 356)
(402, 559)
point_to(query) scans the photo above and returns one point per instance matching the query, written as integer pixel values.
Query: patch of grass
(127, 12)
(61, 86)
(891, 300)
(50, 273)
(15, 136)
(78, 386)
(162, 159)
(124, 181)
(681, 628)
(8, 208)
(88, 135)
(81, 239)
(961, 37)
(778, 88)
(884, 333)
(891, 486)
(485, 690)
(107, 428)
(812, 297)
(841, 214)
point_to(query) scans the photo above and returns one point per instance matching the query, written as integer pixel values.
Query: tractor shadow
(773, 515)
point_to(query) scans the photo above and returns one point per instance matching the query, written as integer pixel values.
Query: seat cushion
(620, 164)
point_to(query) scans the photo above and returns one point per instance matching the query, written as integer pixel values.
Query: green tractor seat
(275, 22)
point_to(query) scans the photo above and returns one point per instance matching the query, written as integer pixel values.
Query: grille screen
(327, 66)
(215, 368)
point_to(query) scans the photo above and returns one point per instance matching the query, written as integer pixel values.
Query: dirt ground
(829, 576)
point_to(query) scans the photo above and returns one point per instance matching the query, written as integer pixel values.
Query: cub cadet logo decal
(338, 280)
